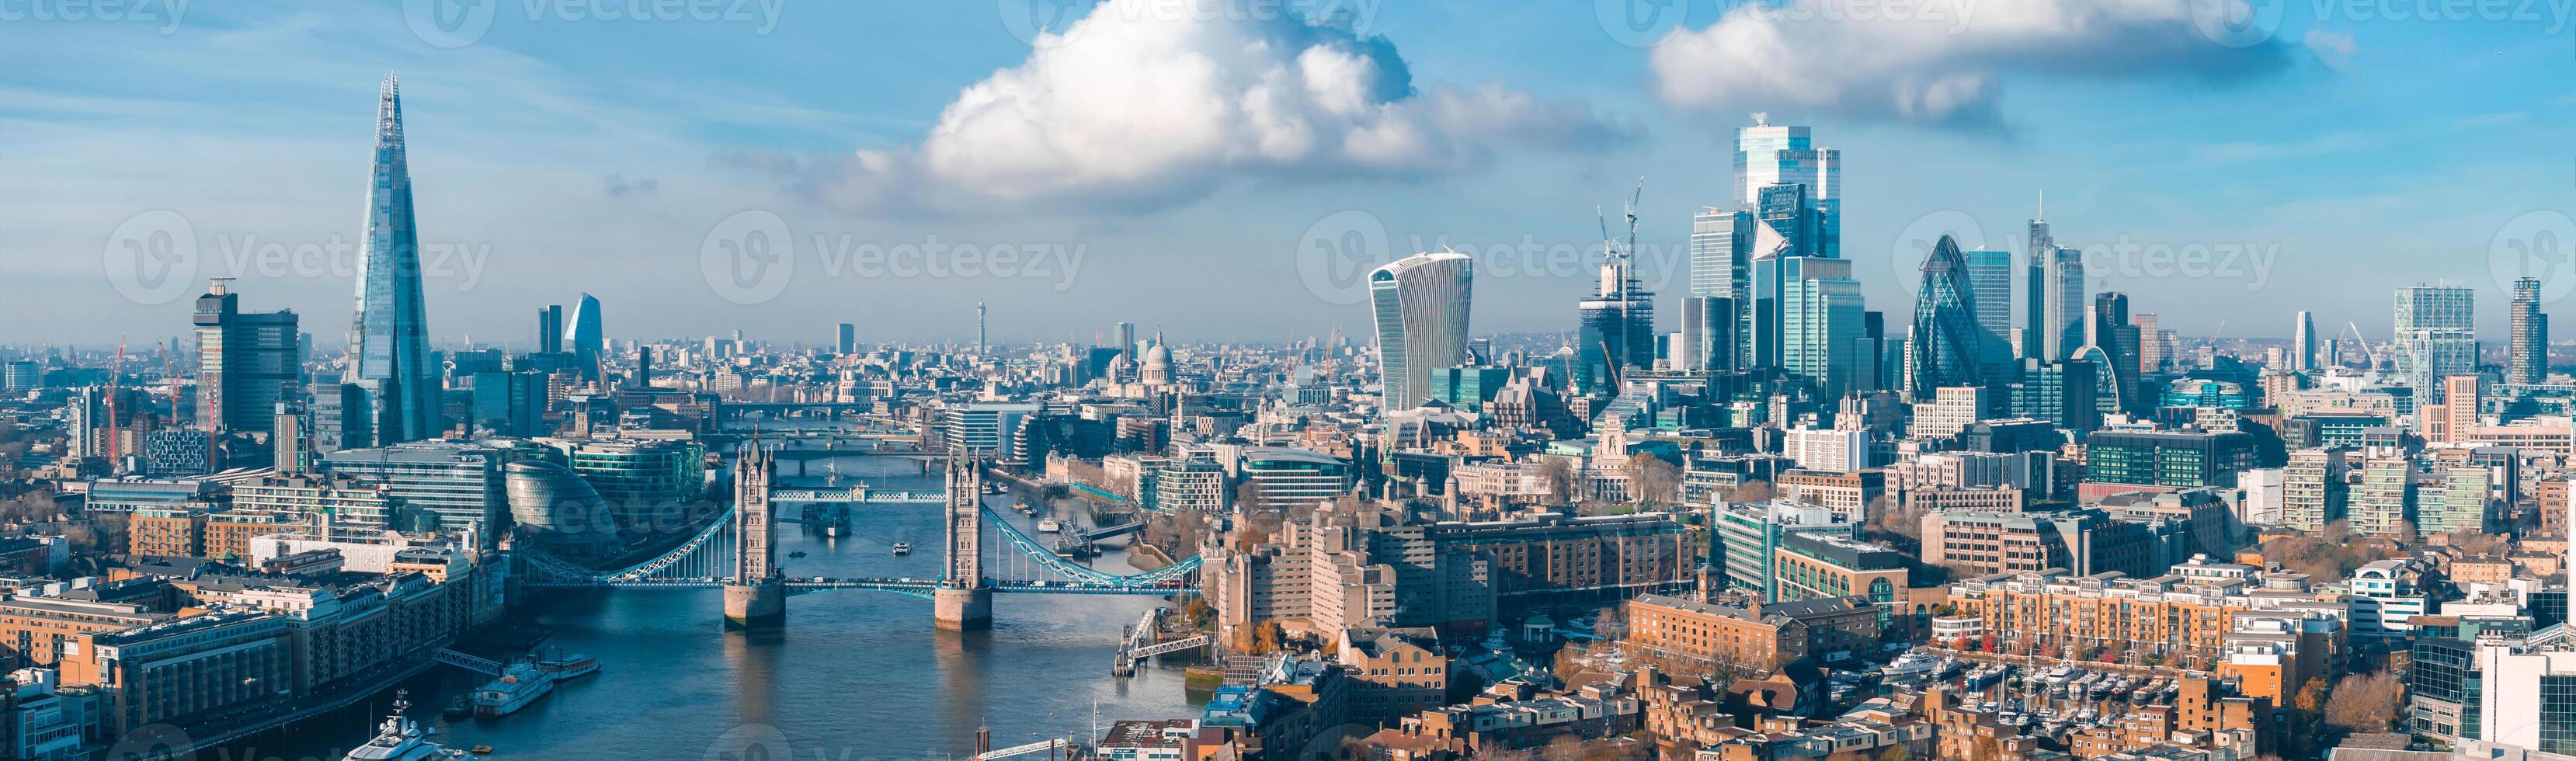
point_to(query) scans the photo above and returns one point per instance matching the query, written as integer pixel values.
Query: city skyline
(633, 204)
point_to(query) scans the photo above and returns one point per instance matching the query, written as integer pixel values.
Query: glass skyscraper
(1713, 318)
(2436, 338)
(1767, 155)
(2528, 359)
(2303, 343)
(1948, 348)
(1821, 323)
(1617, 331)
(1990, 276)
(586, 342)
(389, 357)
(246, 363)
(1421, 306)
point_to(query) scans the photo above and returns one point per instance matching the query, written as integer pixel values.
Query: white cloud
(1943, 63)
(1134, 108)
(2334, 48)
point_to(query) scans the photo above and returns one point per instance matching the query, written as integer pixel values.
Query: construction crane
(1619, 257)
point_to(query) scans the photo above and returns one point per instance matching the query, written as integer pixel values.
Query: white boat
(1910, 664)
(401, 739)
(903, 548)
(520, 684)
(1049, 526)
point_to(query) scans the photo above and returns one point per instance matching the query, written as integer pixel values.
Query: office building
(550, 325)
(1946, 346)
(555, 508)
(1832, 450)
(2303, 343)
(389, 360)
(987, 429)
(1990, 278)
(21, 375)
(1768, 156)
(2113, 344)
(1749, 535)
(1819, 567)
(2059, 392)
(848, 336)
(2057, 300)
(436, 485)
(583, 337)
(1282, 478)
(1809, 320)
(2436, 338)
(2181, 459)
(648, 484)
(1713, 319)
(1950, 410)
(2528, 358)
(246, 363)
(1421, 305)
(510, 403)
(1616, 330)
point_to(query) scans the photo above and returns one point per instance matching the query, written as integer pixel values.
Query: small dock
(1144, 640)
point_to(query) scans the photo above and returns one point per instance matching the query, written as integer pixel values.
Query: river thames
(855, 675)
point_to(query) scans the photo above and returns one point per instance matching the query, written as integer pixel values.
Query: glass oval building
(556, 509)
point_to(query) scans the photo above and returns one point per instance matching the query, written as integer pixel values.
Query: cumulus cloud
(1137, 107)
(1942, 63)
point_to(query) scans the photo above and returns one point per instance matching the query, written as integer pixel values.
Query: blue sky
(1181, 163)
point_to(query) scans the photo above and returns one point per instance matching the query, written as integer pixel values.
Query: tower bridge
(737, 552)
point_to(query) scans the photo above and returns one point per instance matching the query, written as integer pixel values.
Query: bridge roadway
(921, 588)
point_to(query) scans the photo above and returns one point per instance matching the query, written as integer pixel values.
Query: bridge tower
(756, 596)
(964, 600)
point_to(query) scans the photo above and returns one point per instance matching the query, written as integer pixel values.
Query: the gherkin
(1945, 341)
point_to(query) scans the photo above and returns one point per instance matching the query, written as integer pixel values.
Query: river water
(855, 675)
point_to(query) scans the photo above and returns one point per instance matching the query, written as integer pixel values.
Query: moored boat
(520, 684)
(572, 666)
(401, 739)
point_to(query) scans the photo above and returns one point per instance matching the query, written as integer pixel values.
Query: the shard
(389, 359)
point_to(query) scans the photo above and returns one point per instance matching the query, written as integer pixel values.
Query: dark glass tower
(246, 363)
(584, 339)
(389, 359)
